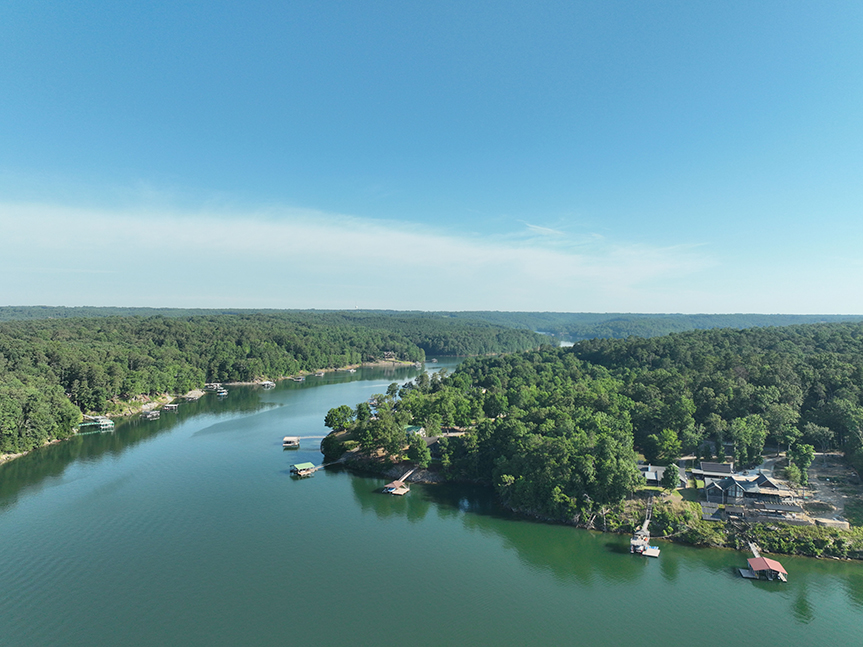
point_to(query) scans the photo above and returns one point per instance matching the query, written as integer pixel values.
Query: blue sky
(569, 156)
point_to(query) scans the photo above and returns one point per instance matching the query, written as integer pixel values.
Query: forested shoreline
(556, 431)
(53, 370)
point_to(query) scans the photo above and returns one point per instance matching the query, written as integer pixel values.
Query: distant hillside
(589, 325)
(573, 326)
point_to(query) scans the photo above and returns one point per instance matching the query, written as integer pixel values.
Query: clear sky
(570, 156)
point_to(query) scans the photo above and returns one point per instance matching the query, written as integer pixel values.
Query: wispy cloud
(545, 231)
(299, 258)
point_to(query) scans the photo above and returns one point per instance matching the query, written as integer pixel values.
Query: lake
(188, 530)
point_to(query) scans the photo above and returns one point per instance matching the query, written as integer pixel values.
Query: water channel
(188, 530)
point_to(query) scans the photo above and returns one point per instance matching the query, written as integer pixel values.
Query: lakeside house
(738, 487)
(708, 469)
(653, 474)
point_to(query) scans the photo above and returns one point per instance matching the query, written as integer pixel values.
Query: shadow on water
(369, 495)
(567, 553)
(587, 557)
(50, 462)
(801, 609)
(854, 588)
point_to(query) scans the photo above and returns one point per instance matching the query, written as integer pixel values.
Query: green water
(189, 531)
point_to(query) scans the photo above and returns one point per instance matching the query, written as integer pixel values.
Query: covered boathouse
(398, 488)
(303, 469)
(764, 568)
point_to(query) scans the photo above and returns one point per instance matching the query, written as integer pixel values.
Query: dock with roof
(302, 470)
(763, 568)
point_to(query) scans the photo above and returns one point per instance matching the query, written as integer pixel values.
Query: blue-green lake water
(189, 530)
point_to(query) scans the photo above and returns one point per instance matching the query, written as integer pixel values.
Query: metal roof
(303, 466)
(717, 468)
(766, 564)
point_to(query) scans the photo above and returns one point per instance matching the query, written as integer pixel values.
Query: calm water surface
(189, 531)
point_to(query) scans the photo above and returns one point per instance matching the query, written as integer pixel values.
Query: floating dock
(763, 568)
(150, 415)
(399, 487)
(640, 542)
(104, 423)
(171, 407)
(291, 442)
(303, 470)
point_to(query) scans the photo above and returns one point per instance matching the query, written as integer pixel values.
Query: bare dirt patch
(832, 481)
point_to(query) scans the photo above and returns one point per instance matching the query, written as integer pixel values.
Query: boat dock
(640, 542)
(171, 407)
(303, 470)
(104, 423)
(762, 568)
(150, 415)
(399, 487)
(291, 442)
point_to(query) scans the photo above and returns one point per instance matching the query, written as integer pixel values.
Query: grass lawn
(854, 513)
(689, 494)
(652, 489)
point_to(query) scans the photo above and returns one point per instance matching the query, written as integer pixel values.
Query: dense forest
(573, 326)
(576, 326)
(52, 370)
(557, 430)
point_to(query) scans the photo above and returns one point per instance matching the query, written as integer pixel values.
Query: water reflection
(367, 492)
(854, 588)
(44, 465)
(567, 553)
(800, 608)
(588, 558)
